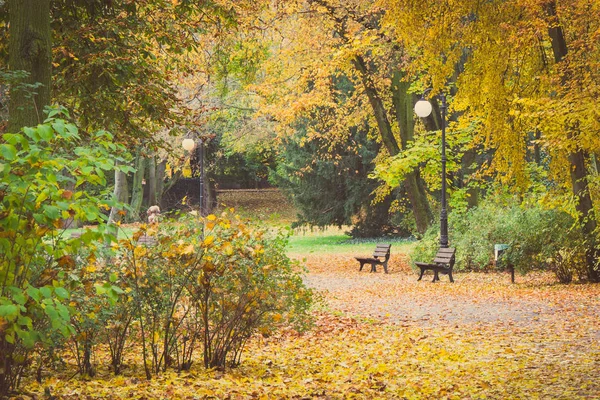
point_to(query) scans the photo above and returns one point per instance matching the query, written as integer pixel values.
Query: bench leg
(385, 267)
(373, 267)
(436, 277)
(450, 276)
(422, 272)
(362, 264)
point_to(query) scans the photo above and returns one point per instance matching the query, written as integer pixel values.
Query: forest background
(316, 98)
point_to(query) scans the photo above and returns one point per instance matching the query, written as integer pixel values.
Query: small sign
(499, 249)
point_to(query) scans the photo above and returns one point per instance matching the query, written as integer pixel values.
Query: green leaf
(59, 127)
(32, 134)
(34, 293)
(8, 151)
(9, 311)
(62, 292)
(52, 313)
(25, 321)
(28, 338)
(99, 289)
(46, 132)
(117, 290)
(113, 277)
(63, 311)
(46, 292)
(52, 212)
(19, 298)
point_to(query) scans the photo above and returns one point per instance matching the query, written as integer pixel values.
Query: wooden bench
(442, 263)
(381, 255)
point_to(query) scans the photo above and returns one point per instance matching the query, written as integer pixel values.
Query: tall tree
(578, 155)
(530, 73)
(30, 50)
(327, 39)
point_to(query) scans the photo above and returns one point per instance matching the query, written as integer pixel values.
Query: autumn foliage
(207, 284)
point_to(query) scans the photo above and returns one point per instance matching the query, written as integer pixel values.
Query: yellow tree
(530, 70)
(321, 40)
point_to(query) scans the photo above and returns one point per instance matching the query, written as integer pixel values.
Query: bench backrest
(382, 250)
(445, 255)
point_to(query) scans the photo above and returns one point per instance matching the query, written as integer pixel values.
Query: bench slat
(448, 256)
(446, 250)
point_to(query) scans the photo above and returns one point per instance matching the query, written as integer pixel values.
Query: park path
(535, 302)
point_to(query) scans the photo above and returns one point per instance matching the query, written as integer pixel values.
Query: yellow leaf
(208, 240)
(228, 249)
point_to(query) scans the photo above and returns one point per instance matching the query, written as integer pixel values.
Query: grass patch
(335, 241)
(125, 231)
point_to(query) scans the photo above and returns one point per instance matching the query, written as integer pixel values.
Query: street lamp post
(423, 109)
(189, 145)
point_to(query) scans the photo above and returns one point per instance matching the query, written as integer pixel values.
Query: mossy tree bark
(30, 50)
(137, 187)
(413, 184)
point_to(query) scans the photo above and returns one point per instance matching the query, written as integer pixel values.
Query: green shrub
(43, 171)
(534, 236)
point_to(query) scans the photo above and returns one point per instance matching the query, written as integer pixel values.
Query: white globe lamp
(423, 108)
(188, 144)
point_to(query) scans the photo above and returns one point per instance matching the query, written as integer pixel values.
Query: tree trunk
(152, 183)
(161, 169)
(383, 124)
(121, 195)
(467, 161)
(137, 187)
(30, 50)
(415, 187)
(578, 157)
(419, 203)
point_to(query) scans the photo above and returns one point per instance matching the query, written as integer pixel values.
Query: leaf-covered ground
(389, 336)
(381, 336)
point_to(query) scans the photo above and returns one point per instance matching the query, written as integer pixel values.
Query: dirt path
(533, 303)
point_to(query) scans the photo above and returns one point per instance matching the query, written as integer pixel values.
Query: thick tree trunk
(419, 203)
(137, 187)
(121, 195)
(585, 209)
(415, 187)
(578, 157)
(467, 161)
(383, 124)
(30, 50)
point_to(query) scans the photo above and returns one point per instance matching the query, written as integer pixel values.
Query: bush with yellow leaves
(205, 283)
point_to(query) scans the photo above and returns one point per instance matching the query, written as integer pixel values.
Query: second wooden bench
(442, 263)
(381, 255)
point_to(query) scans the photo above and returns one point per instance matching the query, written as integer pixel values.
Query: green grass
(124, 231)
(334, 241)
